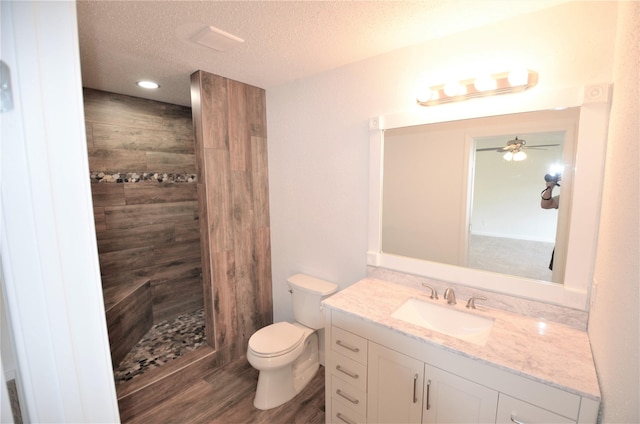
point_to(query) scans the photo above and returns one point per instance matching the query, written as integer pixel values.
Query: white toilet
(287, 354)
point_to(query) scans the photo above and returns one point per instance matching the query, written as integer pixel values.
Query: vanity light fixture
(148, 84)
(489, 85)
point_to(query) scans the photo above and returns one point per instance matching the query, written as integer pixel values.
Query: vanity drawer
(349, 345)
(349, 370)
(349, 395)
(512, 410)
(342, 414)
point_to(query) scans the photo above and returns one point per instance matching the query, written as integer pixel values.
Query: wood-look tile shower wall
(231, 143)
(147, 230)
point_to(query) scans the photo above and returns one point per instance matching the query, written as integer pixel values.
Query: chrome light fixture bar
(502, 83)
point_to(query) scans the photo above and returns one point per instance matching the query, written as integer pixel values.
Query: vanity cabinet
(402, 389)
(377, 375)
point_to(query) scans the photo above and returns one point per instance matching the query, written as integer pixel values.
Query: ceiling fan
(514, 150)
(514, 146)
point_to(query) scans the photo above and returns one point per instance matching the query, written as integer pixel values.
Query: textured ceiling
(122, 42)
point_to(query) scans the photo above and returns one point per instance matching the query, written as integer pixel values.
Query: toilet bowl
(287, 357)
(286, 354)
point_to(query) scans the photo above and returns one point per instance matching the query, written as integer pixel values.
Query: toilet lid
(276, 339)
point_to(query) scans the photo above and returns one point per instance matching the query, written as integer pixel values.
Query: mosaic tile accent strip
(134, 177)
(164, 342)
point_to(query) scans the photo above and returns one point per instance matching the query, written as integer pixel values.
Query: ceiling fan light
(518, 156)
(508, 156)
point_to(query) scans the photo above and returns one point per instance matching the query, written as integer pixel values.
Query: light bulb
(452, 89)
(148, 84)
(518, 77)
(508, 156)
(424, 94)
(485, 83)
(518, 156)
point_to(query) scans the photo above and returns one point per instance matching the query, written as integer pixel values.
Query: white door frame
(51, 276)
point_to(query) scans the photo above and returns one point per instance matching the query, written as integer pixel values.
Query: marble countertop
(547, 352)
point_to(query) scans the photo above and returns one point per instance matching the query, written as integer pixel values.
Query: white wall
(614, 327)
(319, 138)
(424, 199)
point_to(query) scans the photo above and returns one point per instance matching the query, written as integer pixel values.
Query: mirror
(452, 182)
(584, 129)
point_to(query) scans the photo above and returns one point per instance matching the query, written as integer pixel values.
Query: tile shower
(144, 191)
(164, 220)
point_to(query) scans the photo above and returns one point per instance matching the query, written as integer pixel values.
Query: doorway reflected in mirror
(451, 195)
(509, 232)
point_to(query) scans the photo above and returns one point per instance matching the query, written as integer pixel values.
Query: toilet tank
(307, 293)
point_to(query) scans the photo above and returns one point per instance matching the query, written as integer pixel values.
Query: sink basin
(445, 319)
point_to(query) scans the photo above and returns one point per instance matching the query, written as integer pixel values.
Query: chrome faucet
(471, 303)
(434, 293)
(450, 296)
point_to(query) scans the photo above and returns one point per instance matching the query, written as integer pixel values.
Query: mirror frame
(594, 102)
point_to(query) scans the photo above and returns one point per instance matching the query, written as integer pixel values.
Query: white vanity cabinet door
(449, 398)
(512, 410)
(394, 387)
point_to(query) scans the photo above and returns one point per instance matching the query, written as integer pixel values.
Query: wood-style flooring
(225, 395)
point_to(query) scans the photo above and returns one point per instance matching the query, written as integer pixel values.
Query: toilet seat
(276, 339)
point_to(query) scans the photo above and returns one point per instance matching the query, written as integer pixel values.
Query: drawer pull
(349, 373)
(347, 397)
(344, 419)
(353, 349)
(514, 420)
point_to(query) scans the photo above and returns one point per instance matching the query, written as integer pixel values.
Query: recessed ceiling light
(148, 84)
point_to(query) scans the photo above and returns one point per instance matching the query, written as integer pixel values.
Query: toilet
(286, 354)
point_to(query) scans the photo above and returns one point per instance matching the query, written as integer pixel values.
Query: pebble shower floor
(164, 342)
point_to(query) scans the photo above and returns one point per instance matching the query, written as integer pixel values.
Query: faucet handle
(434, 293)
(471, 303)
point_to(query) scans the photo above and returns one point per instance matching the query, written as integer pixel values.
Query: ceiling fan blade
(490, 149)
(541, 145)
(512, 147)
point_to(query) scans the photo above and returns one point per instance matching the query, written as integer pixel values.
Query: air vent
(216, 39)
